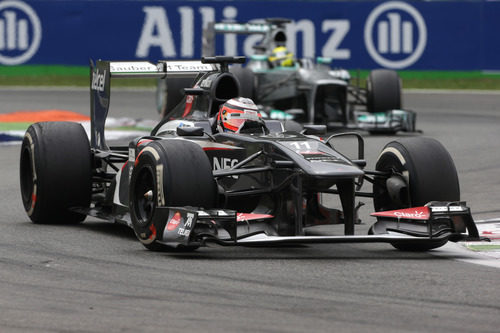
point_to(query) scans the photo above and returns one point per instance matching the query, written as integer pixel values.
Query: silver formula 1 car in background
(304, 90)
(194, 181)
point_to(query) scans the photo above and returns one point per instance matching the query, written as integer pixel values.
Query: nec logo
(395, 35)
(20, 32)
(220, 163)
(224, 163)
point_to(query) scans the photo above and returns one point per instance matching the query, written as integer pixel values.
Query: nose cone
(337, 169)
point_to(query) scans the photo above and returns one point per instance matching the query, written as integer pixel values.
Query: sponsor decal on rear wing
(243, 28)
(133, 68)
(145, 69)
(182, 68)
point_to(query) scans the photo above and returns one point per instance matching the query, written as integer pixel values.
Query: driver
(240, 115)
(281, 57)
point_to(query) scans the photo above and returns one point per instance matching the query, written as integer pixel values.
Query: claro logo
(395, 35)
(98, 80)
(20, 32)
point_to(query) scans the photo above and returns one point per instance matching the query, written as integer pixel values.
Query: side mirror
(193, 91)
(190, 131)
(310, 129)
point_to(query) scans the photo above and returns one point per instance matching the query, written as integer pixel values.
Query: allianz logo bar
(13, 32)
(20, 32)
(392, 32)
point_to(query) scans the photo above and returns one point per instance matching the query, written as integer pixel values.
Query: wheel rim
(144, 196)
(383, 200)
(26, 175)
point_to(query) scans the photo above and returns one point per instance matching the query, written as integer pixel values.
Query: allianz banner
(444, 35)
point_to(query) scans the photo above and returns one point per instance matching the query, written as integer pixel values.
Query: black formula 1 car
(185, 185)
(307, 91)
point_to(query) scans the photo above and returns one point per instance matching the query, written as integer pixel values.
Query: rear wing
(272, 29)
(102, 72)
(241, 28)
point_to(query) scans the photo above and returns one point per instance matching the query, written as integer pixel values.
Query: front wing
(188, 226)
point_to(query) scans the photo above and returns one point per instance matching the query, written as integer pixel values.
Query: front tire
(428, 171)
(173, 173)
(55, 172)
(383, 91)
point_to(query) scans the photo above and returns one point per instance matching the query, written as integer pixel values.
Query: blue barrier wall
(447, 35)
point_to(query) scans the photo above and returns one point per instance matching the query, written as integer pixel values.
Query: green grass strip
(68, 80)
(130, 128)
(437, 75)
(58, 75)
(14, 126)
(442, 79)
(492, 247)
(43, 70)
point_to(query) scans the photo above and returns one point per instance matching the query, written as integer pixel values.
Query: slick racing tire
(383, 89)
(246, 79)
(55, 172)
(168, 173)
(428, 171)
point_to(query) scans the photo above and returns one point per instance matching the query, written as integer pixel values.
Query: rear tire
(170, 92)
(181, 171)
(246, 80)
(428, 171)
(383, 91)
(55, 172)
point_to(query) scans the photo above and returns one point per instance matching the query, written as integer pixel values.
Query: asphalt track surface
(96, 277)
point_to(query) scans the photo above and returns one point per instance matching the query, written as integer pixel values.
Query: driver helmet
(281, 57)
(239, 115)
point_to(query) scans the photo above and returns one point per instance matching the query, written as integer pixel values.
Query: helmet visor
(235, 119)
